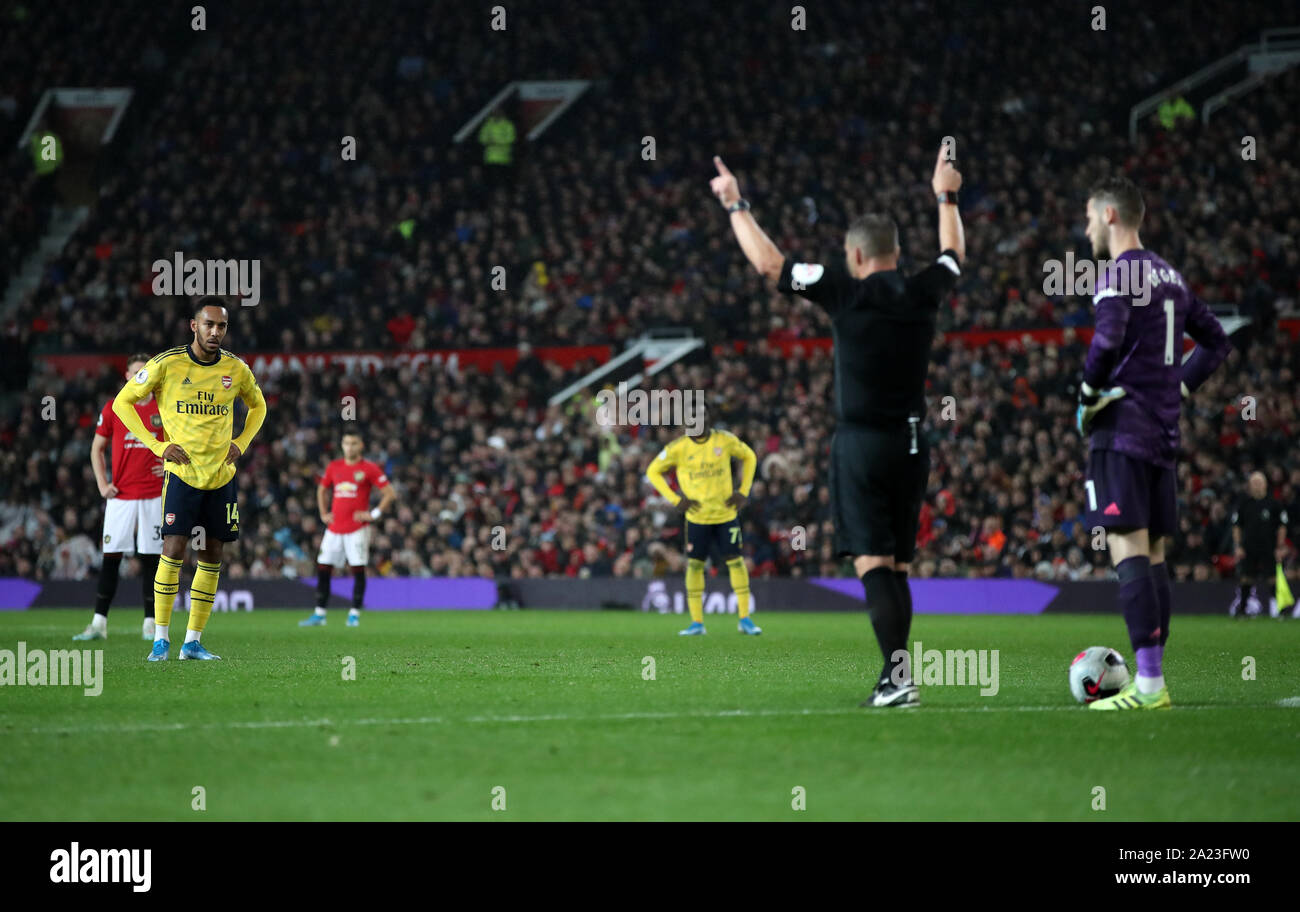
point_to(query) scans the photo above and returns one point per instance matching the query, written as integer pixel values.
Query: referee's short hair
(142, 357)
(1124, 195)
(874, 234)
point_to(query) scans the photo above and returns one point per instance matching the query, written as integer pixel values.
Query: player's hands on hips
(327, 518)
(157, 469)
(686, 505)
(946, 176)
(108, 491)
(736, 500)
(1280, 553)
(724, 186)
(1092, 401)
(361, 516)
(176, 454)
(235, 453)
(1239, 554)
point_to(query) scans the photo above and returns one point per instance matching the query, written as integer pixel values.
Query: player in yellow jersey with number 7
(196, 386)
(710, 502)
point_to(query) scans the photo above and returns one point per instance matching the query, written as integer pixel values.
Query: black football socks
(885, 606)
(107, 587)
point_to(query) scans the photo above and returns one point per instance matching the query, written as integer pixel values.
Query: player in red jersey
(133, 505)
(347, 519)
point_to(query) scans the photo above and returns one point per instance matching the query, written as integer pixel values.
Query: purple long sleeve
(1103, 353)
(1212, 345)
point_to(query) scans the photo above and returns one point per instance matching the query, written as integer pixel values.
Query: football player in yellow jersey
(703, 463)
(195, 386)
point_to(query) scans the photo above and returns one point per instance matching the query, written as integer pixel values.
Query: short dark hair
(352, 433)
(875, 233)
(208, 301)
(1124, 195)
(138, 356)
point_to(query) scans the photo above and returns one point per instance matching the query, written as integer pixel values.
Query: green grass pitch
(554, 708)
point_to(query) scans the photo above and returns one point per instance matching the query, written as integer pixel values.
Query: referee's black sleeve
(940, 277)
(826, 285)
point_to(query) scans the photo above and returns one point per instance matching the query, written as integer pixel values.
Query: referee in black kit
(1259, 529)
(884, 323)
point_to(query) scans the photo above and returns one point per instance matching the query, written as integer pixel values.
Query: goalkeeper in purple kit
(1134, 381)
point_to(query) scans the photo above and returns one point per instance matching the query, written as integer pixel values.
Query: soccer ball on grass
(1096, 673)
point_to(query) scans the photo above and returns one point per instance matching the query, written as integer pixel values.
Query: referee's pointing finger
(722, 169)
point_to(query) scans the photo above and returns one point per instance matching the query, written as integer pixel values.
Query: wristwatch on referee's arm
(375, 513)
(740, 205)
(947, 196)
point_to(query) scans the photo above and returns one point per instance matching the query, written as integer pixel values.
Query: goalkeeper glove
(1091, 402)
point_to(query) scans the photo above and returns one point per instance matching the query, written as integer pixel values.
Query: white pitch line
(564, 717)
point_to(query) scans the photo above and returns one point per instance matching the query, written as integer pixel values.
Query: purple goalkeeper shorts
(1126, 493)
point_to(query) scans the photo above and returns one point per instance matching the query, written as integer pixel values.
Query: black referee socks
(887, 616)
(905, 600)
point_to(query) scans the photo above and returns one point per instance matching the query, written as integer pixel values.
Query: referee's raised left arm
(758, 247)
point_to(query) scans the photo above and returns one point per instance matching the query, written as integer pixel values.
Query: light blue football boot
(194, 650)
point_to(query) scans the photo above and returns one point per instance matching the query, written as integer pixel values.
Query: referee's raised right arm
(946, 182)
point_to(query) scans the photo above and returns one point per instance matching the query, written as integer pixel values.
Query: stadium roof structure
(541, 103)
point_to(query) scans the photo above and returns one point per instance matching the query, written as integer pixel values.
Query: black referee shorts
(877, 486)
(1257, 565)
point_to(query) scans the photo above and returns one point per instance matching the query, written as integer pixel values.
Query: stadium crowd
(117, 44)
(239, 157)
(470, 452)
